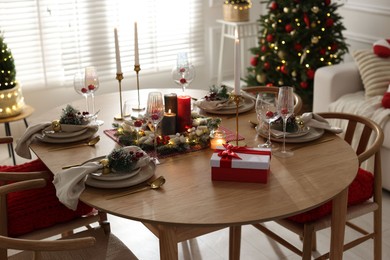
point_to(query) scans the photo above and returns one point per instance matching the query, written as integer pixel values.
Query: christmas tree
(7, 66)
(296, 38)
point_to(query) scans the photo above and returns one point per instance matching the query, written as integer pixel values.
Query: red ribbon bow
(229, 152)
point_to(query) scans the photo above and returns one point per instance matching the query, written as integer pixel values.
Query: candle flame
(169, 111)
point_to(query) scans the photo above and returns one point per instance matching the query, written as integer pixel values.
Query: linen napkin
(211, 105)
(70, 183)
(317, 121)
(22, 147)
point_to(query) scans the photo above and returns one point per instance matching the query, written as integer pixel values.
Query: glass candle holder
(217, 139)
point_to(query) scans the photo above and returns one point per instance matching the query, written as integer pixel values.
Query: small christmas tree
(296, 38)
(7, 66)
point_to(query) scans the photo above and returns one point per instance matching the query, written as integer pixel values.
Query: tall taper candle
(117, 53)
(237, 65)
(136, 54)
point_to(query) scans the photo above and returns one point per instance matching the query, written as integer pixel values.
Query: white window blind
(51, 40)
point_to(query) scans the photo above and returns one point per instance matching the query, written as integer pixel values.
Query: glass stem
(155, 141)
(269, 133)
(284, 134)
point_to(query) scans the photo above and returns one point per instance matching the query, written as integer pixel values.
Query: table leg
(339, 212)
(234, 242)
(168, 243)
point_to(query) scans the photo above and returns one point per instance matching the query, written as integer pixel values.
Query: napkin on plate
(212, 105)
(22, 147)
(317, 121)
(70, 183)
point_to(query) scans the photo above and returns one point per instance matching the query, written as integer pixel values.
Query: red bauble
(304, 84)
(297, 47)
(386, 100)
(284, 69)
(270, 38)
(310, 73)
(329, 22)
(254, 60)
(288, 28)
(274, 6)
(334, 47)
(327, 2)
(263, 48)
(306, 19)
(266, 65)
(323, 51)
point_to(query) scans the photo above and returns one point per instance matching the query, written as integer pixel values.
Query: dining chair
(364, 194)
(275, 90)
(38, 214)
(93, 243)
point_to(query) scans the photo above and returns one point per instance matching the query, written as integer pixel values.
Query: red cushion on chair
(360, 190)
(37, 208)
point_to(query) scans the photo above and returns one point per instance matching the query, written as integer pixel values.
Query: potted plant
(236, 10)
(11, 98)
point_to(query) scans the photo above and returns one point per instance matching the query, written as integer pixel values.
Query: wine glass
(184, 72)
(92, 85)
(266, 113)
(285, 108)
(155, 112)
(79, 87)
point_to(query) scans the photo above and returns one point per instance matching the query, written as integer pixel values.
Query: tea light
(218, 139)
(168, 123)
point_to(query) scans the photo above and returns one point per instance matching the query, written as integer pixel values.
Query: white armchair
(339, 88)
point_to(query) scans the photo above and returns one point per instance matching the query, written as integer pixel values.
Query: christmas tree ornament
(286, 10)
(294, 73)
(254, 61)
(281, 54)
(315, 9)
(262, 58)
(261, 78)
(314, 40)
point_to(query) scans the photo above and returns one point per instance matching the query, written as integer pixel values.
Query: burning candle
(218, 139)
(168, 123)
(184, 113)
(117, 53)
(170, 101)
(237, 64)
(136, 55)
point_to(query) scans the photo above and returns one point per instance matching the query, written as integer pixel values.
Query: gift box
(241, 164)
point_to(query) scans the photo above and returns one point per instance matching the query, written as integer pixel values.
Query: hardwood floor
(254, 245)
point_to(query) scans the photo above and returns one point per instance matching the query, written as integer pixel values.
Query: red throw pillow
(386, 99)
(360, 190)
(382, 48)
(37, 208)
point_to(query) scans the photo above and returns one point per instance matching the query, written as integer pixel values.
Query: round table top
(26, 112)
(314, 175)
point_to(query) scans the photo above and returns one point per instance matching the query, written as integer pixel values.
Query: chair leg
(314, 241)
(378, 234)
(104, 223)
(308, 235)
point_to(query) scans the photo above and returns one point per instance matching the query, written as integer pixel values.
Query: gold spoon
(154, 185)
(91, 142)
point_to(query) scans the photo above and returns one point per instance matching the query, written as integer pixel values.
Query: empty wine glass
(79, 87)
(285, 108)
(266, 113)
(155, 112)
(92, 85)
(184, 72)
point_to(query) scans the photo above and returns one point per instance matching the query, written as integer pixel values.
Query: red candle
(183, 113)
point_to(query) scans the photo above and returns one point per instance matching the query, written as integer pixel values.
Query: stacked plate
(68, 133)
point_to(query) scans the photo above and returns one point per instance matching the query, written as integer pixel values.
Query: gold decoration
(286, 10)
(56, 126)
(261, 77)
(281, 54)
(314, 40)
(315, 9)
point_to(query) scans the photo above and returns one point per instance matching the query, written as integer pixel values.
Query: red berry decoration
(138, 123)
(284, 111)
(182, 70)
(84, 90)
(183, 81)
(155, 117)
(91, 87)
(269, 114)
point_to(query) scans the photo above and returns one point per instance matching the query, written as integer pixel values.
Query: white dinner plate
(145, 173)
(117, 176)
(313, 134)
(86, 135)
(247, 104)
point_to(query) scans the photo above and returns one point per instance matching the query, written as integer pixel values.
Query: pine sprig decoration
(297, 38)
(70, 116)
(7, 66)
(218, 93)
(122, 160)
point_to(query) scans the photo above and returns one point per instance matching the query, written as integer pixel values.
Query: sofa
(347, 88)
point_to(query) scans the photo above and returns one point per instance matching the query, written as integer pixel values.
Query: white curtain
(51, 40)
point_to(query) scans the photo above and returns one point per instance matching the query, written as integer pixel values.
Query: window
(51, 40)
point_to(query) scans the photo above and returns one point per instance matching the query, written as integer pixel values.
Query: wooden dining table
(191, 204)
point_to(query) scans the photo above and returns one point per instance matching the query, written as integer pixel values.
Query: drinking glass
(92, 85)
(79, 87)
(266, 113)
(285, 108)
(184, 72)
(155, 112)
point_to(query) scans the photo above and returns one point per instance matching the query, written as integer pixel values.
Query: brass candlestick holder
(237, 99)
(119, 77)
(137, 68)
